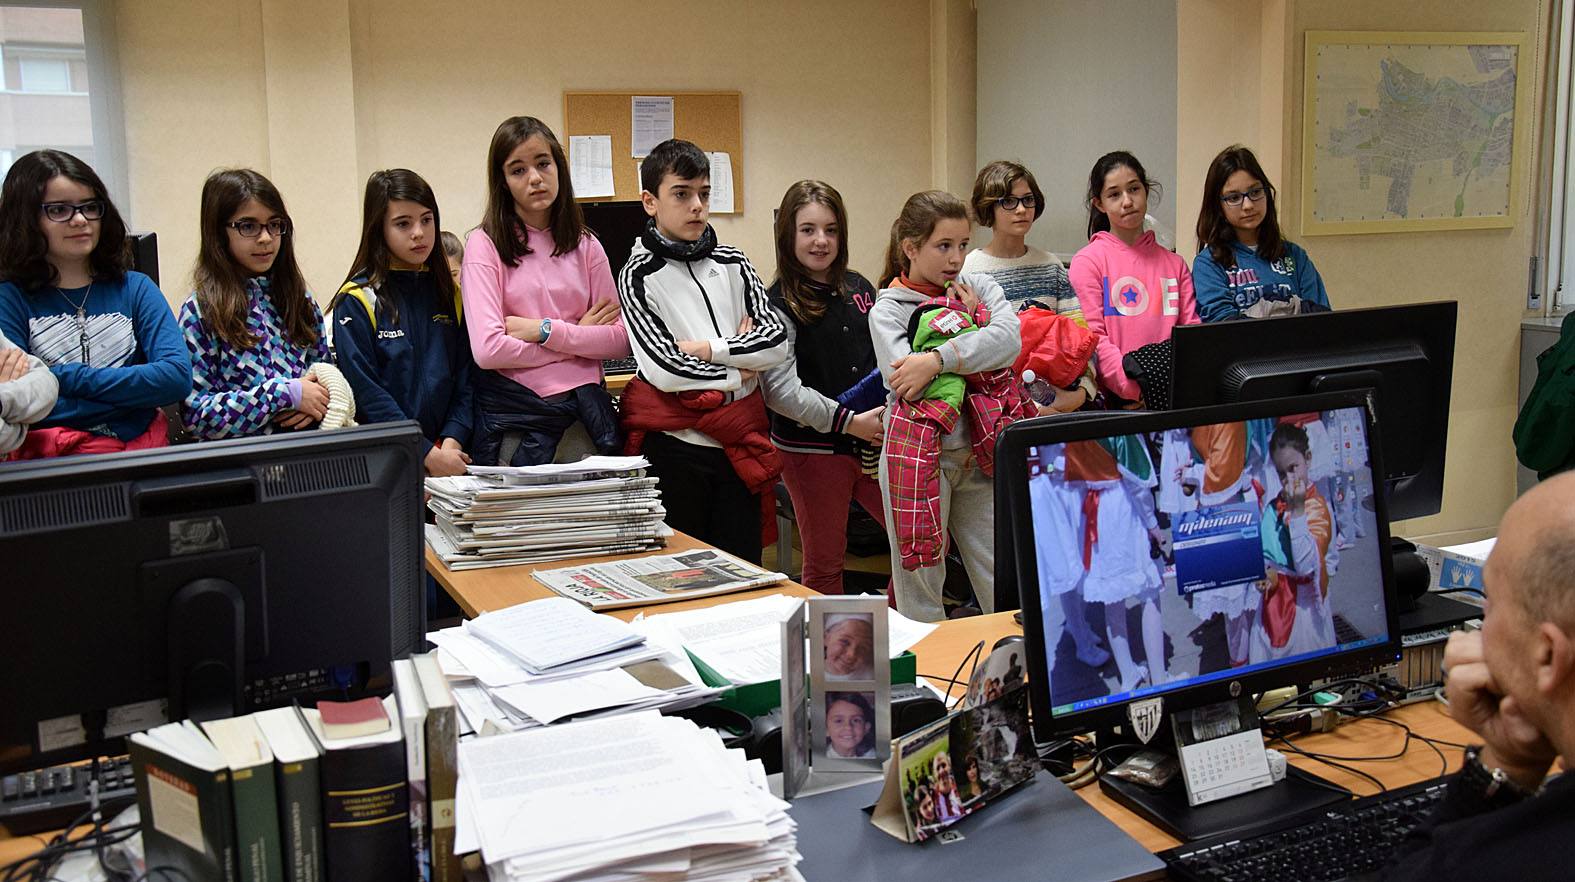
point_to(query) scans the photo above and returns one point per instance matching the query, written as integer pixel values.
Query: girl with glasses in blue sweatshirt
(1244, 267)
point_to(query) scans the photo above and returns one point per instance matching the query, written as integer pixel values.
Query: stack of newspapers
(642, 797)
(546, 661)
(501, 515)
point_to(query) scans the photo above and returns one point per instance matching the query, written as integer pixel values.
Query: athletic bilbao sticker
(1144, 716)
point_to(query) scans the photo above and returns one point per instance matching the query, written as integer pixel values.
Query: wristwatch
(1494, 786)
(546, 329)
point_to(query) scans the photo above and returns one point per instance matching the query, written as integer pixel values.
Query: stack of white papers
(504, 515)
(548, 660)
(643, 797)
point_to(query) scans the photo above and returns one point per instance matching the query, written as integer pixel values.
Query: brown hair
(791, 275)
(222, 298)
(1214, 231)
(452, 247)
(920, 214)
(502, 222)
(373, 259)
(995, 181)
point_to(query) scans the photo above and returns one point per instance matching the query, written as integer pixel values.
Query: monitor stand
(1166, 808)
(1300, 793)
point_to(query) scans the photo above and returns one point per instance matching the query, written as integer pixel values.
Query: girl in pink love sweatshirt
(1132, 290)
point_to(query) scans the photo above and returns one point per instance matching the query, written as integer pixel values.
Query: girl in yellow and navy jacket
(397, 330)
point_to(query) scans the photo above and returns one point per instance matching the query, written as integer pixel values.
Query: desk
(479, 591)
(940, 653)
(616, 382)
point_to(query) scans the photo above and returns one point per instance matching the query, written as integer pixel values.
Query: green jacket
(1545, 430)
(934, 327)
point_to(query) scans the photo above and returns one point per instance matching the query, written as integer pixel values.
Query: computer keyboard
(1344, 842)
(625, 365)
(48, 799)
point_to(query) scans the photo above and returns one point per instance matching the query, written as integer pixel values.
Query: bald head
(1533, 561)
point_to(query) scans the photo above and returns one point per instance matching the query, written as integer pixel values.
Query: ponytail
(915, 223)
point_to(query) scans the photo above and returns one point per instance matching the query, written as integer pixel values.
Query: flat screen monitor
(1406, 353)
(1191, 555)
(203, 580)
(616, 225)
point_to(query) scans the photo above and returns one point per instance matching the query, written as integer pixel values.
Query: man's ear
(1555, 660)
(648, 200)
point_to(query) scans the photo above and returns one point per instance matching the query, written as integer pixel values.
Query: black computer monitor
(616, 225)
(203, 580)
(144, 249)
(1155, 530)
(1407, 353)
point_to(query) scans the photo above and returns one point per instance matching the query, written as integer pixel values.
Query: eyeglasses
(250, 229)
(1010, 203)
(62, 212)
(1256, 194)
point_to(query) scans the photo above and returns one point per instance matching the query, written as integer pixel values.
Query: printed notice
(651, 122)
(590, 165)
(721, 183)
(173, 803)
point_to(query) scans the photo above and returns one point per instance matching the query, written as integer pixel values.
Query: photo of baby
(850, 646)
(850, 724)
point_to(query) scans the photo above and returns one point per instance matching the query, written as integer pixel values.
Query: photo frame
(795, 702)
(850, 682)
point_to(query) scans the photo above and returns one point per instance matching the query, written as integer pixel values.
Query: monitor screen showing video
(1172, 558)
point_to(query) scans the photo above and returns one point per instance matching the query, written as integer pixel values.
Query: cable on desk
(973, 655)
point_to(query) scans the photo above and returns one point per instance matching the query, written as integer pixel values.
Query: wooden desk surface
(940, 653)
(616, 382)
(479, 591)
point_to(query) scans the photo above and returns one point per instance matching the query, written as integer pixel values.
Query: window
(44, 74)
(57, 87)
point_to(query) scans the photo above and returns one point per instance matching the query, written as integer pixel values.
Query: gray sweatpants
(968, 514)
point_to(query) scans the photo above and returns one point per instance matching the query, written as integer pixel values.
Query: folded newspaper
(656, 579)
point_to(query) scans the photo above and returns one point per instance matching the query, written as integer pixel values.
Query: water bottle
(1038, 389)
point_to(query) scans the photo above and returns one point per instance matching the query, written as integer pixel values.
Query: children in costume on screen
(1293, 606)
(1058, 518)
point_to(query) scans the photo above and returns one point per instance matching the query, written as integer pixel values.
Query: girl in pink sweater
(540, 304)
(1132, 290)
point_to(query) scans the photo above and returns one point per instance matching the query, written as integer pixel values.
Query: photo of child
(850, 646)
(1227, 555)
(850, 724)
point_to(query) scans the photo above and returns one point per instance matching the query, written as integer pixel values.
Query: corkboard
(712, 120)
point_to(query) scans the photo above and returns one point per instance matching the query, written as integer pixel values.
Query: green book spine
(301, 820)
(442, 780)
(257, 824)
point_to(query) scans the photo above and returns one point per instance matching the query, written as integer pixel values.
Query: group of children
(888, 394)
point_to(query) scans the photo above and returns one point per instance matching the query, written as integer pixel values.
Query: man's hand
(604, 312)
(1511, 741)
(912, 374)
(867, 426)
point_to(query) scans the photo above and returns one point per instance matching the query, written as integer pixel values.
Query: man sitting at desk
(1513, 684)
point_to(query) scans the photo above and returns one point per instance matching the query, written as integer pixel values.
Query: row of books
(333, 793)
(495, 516)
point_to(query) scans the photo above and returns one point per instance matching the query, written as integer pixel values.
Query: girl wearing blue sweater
(397, 322)
(251, 326)
(69, 298)
(1244, 268)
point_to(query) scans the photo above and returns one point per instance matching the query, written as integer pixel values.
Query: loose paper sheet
(721, 183)
(651, 122)
(590, 165)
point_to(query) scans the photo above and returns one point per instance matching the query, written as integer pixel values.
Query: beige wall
(319, 94)
(1225, 44)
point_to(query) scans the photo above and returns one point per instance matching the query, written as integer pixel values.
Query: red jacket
(742, 428)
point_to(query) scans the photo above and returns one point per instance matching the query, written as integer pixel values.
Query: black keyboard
(48, 799)
(625, 365)
(1345, 842)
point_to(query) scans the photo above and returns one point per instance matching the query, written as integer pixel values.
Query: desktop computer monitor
(1189, 557)
(616, 225)
(203, 580)
(1406, 353)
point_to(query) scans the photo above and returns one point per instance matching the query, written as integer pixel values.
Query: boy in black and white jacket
(699, 322)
